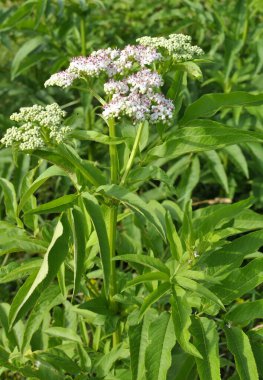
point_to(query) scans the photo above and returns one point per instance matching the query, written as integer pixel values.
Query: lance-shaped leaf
(195, 287)
(148, 261)
(54, 257)
(138, 339)
(9, 198)
(57, 205)
(95, 136)
(246, 312)
(158, 357)
(52, 171)
(181, 313)
(173, 238)
(240, 281)
(217, 168)
(96, 216)
(79, 237)
(238, 343)
(200, 136)
(17, 270)
(206, 341)
(154, 297)
(207, 105)
(134, 202)
(151, 276)
(49, 298)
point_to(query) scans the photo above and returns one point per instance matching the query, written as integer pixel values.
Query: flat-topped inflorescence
(38, 125)
(177, 45)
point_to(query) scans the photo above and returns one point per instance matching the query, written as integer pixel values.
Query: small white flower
(62, 79)
(38, 123)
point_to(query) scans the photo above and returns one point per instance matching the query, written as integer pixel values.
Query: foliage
(111, 267)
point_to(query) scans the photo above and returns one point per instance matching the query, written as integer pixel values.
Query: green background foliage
(197, 322)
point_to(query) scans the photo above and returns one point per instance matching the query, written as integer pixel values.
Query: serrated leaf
(206, 341)
(195, 287)
(207, 105)
(245, 312)
(217, 168)
(173, 238)
(154, 297)
(55, 255)
(151, 276)
(134, 202)
(148, 261)
(57, 205)
(96, 216)
(238, 343)
(181, 314)
(138, 339)
(63, 333)
(9, 198)
(158, 357)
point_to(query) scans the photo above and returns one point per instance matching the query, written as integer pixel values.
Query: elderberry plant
(125, 286)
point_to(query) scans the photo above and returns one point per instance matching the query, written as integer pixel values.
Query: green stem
(112, 226)
(83, 36)
(133, 153)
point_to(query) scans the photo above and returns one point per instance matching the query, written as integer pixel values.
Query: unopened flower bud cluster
(37, 125)
(177, 45)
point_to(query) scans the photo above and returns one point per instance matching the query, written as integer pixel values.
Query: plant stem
(113, 225)
(133, 153)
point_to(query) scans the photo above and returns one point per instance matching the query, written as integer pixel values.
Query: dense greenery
(133, 252)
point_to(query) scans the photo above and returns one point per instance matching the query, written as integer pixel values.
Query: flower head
(177, 45)
(37, 125)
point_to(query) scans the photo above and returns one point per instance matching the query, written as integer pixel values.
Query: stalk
(112, 226)
(133, 153)
(113, 211)
(83, 36)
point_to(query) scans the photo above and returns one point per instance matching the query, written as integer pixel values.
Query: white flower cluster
(108, 61)
(177, 45)
(38, 124)
(135, 97)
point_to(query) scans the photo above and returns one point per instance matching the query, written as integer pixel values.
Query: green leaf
(87, 169)
(154, 297)
(221, 262)
(195, 287)
(240, 281)
(181, 313)
(79, 236)
(96, 216)
(192, 69)
(55, 255)
(11, 244)
(52, 171)
(17, 270)
(158, 353)
(206, 341)
(134, 202)
(246, 312)
(200, 136)
(150, 276)
(23, 52)
(173, 238)
(236, 155)
(96, 136)
(49, 298)
(207, 105)
(148, 261)
(10, 198)
(55, 206)
(219, 214)
(217, 168)
(138, 339)
(238, 343)
(63, 333)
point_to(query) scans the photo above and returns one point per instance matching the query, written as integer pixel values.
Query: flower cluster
(108, 61)
(38, 125)
(177, 45)
(136, 97)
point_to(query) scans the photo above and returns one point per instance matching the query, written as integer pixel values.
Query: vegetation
(131, 217)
